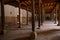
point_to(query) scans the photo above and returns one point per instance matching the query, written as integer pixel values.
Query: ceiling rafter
(48, 4)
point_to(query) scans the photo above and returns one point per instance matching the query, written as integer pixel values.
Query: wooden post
(39, 12)
(55, 15)
(19, 16)
(19, 13)
(27, 17)
(2, 17)
(59, 15)
(42, 12)
(33, 17)
(52, 15)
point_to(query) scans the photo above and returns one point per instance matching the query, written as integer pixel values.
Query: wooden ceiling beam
(49, 1)
(48, 4)
(18, 1)
(50, 9)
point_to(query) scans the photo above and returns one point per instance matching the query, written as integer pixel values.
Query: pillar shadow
(56, 38)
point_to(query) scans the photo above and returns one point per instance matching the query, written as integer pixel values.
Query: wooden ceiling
(48, 4)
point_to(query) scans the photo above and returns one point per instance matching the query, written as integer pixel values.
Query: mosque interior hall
(29, 19)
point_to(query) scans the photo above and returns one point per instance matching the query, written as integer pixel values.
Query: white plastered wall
(11, 11)
(10, 14)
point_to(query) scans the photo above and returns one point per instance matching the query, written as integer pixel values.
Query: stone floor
(50, 35)
(48, 31)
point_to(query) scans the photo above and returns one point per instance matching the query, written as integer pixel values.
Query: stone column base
(33, 36)
(38, 28)
(41, 24)
(1, 33)
(58, 24)
(54, 22)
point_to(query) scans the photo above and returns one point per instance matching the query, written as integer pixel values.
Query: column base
(58, 24)
(33, 36)
(26, 24)
(19, 27)
(38, 28)
(1, 33)
(41, 24)
(55, 23)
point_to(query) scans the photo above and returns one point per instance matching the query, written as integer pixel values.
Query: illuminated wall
(11, 13)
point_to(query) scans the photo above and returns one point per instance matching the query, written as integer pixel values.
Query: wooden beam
(18, 1)
(24, 3)
(28, 3)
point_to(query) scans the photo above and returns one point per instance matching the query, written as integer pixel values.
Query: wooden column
(19, 13)
(19, 16)
(27, 17)
(33, 17)
(39, 12)
(42, 14)
(59, 15)
(52, 15)
(2, 17)
(55, 15)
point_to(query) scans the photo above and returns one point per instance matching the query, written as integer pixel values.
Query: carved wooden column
(57, 12)
(52, 15)
(2, 17)
(19, 16)
(55, 16)
(42, 14)
(33, 16)
(27, 17)
(19, 13)
(39, 12)
(59, 15)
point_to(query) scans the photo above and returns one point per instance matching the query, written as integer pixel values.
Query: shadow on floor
(31, 37)
(48, 32)
(56, 38)
(25, 38)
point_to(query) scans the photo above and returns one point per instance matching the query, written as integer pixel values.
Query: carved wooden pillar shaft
(19, 15)
(52, 15)
(56, 12)
(42, 14)
(55, 15)
(2, 17)
(27, 17)
(59, 15)
(33, 17)
(39, 12)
